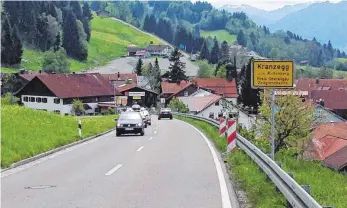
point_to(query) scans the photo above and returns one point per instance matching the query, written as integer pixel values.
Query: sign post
(272, 74)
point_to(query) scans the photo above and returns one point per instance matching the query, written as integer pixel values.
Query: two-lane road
(170, 167)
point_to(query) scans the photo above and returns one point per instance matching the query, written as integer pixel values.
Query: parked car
(148, 117)
(165, 56)
(136, 107)
(130, 122)
(165, 113)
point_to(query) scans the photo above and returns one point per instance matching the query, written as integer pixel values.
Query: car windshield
(129, 116)
(166, 110)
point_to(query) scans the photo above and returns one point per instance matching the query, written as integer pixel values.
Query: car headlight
(139, 124)
(119, 125)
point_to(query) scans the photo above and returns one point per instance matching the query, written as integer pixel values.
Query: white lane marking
(155, 132)
(150, 138)
(114, 169)
(43, 159)
(226, 203)
(139, 149)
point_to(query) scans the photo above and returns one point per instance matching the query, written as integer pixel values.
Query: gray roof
(156, 47)
(143, 82)
(134, 49)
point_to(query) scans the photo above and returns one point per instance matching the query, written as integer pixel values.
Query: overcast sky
(262, 4)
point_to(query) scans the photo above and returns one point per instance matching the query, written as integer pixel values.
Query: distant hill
(263, 17)
(325, 21)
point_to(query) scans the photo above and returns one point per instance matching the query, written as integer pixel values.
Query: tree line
(45, 26)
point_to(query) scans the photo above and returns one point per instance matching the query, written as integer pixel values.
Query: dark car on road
(165, 113)
(130, 122)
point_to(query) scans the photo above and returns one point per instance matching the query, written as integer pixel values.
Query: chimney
(317, 81)
(118, 76)
(73, 72)
(40, 72)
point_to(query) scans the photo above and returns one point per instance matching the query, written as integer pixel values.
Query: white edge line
(155, 132)
(114, 169)
(150, 138)
(139, 149)
(226, 203)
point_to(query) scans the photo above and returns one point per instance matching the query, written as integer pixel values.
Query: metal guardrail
(295, 194)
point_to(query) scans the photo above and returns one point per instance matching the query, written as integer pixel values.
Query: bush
(9, 99)
(77, 107)
(176, 104)
(56, 62)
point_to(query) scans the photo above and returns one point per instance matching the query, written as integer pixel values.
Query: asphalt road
(172, 166)
(127, 65)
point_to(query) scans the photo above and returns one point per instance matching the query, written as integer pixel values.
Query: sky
(261, 4)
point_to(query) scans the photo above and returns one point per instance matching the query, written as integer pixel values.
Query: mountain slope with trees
(107, 38)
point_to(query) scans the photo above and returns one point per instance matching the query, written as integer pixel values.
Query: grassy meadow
(108, 41)
(26, 132)
(220, 34)
(327, 186)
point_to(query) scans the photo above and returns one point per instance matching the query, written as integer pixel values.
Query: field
(328, 187)
(315, 70)
(220, 34)
(26, 132)
(108, 41)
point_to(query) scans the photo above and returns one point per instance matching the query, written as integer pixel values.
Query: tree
(11, 47)
(248, 96)
(9, 99)
(214, 52)
(178, 105)
(152, 74)
(74, 44)
(176, 69)
(77, 107)
(241, 39)
(205, 70)
(293, 121)
(157, 74)
(196, 31)
(231, 71)
(221, 72)
(181, 36)
(87, 17)
(76, 8)
(204, 53)
(224, 51)
(57, 43)
(87, 13)
(138, 68)
(56, 62)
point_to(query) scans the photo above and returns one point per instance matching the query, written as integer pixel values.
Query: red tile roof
(333, 99)
(170, 88)
(200, 103)
(126, 87)
(219, 85)
(28, 77)
(308, 84)
(328, 138)
(77, 85)
(337, 160)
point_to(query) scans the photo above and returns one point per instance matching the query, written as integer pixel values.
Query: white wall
(234, 100)
(212, 108)
(50, 106)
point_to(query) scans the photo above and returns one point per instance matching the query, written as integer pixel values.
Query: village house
(159, 50)
(329, 145)
(331, 93)
(102, 13)
(56, 92)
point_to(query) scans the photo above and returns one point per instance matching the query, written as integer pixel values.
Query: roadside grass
(220, 34)
(26, 132)
(260, 192)
(327, 186)
(109, 40)
(315, 70)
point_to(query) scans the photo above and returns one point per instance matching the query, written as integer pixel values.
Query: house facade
(159, 50)
(56, 92)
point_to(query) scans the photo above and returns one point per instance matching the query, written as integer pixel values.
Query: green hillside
(26, 132)
(108, 41)
(222, 35)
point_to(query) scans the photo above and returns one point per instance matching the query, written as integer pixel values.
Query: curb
(44, 154)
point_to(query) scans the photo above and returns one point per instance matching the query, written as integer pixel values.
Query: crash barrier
(297, 196)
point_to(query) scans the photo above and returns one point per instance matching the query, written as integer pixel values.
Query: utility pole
(273, 97)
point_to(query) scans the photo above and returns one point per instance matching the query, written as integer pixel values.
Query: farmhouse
(56, 92)
(159, 50)
(102, 13)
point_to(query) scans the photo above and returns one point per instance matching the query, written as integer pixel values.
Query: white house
(159, 50)
(56, 92)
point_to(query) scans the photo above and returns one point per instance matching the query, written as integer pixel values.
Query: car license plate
(129, 129)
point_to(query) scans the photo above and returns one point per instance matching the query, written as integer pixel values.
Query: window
(96, 99)
(185, 93)
(217, 103)
(25, 99)
(44, 100)
(38, 100)
(32, 99)
(56, 100)
(57, 111)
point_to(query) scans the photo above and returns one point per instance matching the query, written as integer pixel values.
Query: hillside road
(172, 166)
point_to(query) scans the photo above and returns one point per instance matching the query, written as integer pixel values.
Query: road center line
(139, 149)
(155, 132)
(114, 169)
(150, 138)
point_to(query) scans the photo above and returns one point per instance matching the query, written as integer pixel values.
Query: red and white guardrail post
(231, 136)
(222, 126)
